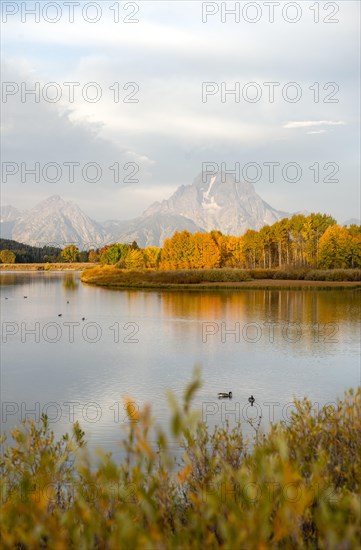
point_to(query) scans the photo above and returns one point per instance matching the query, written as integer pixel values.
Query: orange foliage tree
(190, 251)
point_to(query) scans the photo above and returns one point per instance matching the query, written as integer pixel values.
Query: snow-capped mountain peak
(214, 202)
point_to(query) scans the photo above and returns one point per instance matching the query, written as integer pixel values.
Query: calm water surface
(274, 344)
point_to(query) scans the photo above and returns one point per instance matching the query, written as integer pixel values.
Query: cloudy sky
(142, 87)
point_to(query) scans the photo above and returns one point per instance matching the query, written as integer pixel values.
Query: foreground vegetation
(113, 277)
(296, 487)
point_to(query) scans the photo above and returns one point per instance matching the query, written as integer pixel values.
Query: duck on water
(224, 395)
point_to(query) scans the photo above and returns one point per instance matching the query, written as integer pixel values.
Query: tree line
(300, 241)
(15, 252)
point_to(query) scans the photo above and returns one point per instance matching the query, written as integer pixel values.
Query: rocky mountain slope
(55, 222)
(216, 202)
(220, 203)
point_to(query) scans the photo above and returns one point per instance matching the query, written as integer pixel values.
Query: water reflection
(70, 282)
(286, 305)
(279, 317)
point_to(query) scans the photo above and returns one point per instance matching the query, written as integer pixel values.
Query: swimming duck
(223, 394)
(251, 400)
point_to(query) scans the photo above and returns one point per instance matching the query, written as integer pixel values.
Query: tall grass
(112, 276)
(334, 275)
(298, 488)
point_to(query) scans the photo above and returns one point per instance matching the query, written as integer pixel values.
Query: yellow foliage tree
(135, 259)
(335, 248)
(7, 257)
(152, 257)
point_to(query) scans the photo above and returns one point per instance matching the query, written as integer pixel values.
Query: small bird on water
(60, 314)
(251, 400)
(224, 394)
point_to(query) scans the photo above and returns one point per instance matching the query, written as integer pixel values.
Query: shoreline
(58, 266)
(263, 284)
(255, 284)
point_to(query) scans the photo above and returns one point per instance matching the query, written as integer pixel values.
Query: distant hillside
(30, 254)
(352, 221)
(53, 222)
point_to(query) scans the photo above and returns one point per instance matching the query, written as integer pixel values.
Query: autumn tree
(70, 253)
(190, 251)
(231, 251)
(206, 253)
(297, 242)
(93, 256)
(83, 256)
(267, 242)
(281, 234)
(114, 254)
(152, 256)
(135, 259)
(355, 245)
(7, 257)
(178, 251)
(313, 228)
(252, 248)
(335, 248)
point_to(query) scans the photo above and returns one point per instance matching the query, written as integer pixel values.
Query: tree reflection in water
(70, 282)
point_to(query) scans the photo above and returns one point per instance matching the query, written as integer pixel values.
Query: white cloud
(316, 132)
(312, 123)
(170, 132)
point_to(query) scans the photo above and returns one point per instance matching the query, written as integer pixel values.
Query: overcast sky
(163, 61)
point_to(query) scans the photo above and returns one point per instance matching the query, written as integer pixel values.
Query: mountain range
(216, 202)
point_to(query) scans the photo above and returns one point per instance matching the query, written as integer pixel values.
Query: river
(75, 351)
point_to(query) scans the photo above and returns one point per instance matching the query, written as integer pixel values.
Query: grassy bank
(112, 277)
(76, 266)
(296, 487)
